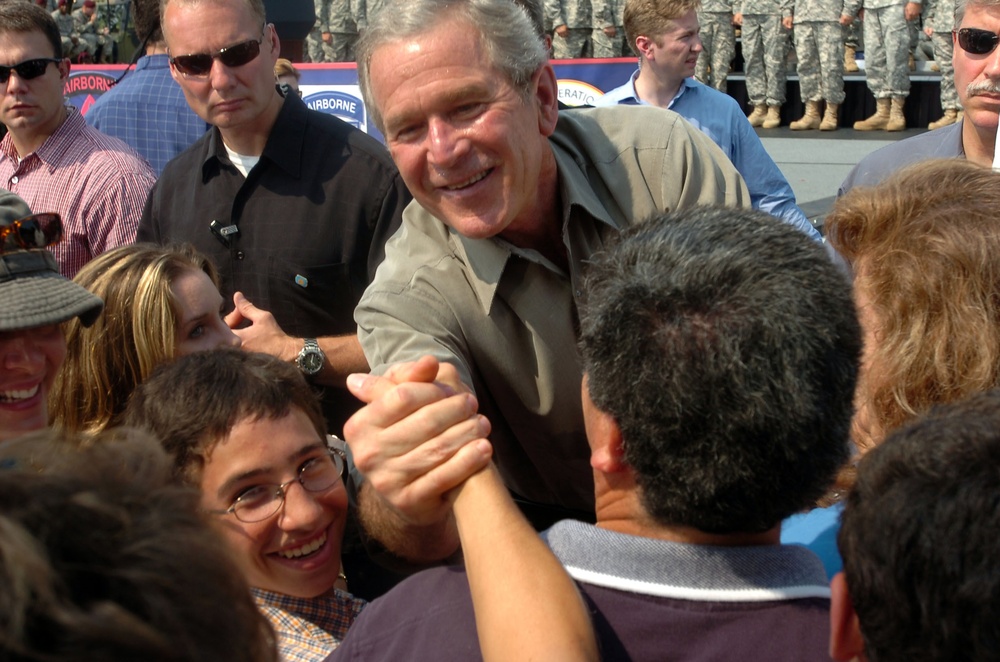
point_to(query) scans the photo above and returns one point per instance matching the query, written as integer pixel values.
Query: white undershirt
(242, 162)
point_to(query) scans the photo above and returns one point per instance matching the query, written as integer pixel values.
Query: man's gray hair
(962, 5)
(505, 31)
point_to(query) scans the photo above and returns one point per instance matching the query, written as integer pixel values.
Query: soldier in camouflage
(317, 42)
(939, 21)
(765, 26)
(85, 27)
(110, 20)
(819, 48)
(608, 38)
(887, 54)
(718, 42)
(72, 45)
(573, 24)
(342, 29)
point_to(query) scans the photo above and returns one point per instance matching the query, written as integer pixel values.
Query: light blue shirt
(718, 116)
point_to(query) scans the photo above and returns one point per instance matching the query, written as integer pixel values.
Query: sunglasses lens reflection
(200, 64)
(976, 41)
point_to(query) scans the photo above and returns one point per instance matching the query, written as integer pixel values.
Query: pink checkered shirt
(97, 183)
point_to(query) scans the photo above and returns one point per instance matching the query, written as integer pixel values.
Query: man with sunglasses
(34, 300)
(977, 80)
(50, 157)
(292, 205)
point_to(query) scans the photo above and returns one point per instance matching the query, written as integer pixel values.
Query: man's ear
(547, 95)
(846, 642)
(644, 45)
(64, 67)
(607, 450)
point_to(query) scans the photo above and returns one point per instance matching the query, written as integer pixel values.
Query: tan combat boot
(850, 60)
(773, 118)
(831, 120)
(810, 120)
(897, 120)
(950, 117)
(756, 118)
(877, 121)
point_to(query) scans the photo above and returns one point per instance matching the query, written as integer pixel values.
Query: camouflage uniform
(85, 28)
(609, 14)
(71, 43)
(765, 47)
(110, 17)
(577, 17)
(940, 17)
(336, 17)
(819, 48)
(718, 43)
(364, 10)
(887, 46)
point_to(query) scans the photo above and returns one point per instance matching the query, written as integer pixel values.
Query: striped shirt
(98, 185)
(308, 629)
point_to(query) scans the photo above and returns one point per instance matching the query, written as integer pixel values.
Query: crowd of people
(819, 40)
(270, 390)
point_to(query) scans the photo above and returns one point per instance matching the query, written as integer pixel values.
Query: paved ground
(816, 162)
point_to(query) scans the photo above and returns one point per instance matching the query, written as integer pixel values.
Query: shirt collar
(157, 61)
(328, 611)
(55, 146)
(284, 147)
(629, 96)
(487, 258)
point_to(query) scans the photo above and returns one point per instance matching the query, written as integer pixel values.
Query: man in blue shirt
(665, 34)
(147, 109)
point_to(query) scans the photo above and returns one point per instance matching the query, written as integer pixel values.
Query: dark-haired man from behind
(720, 350)
(918, 535)
(146, 108)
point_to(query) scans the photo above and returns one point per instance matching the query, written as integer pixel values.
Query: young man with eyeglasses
(34, 301)
(50, 157)
(292, 205)
(977, 79)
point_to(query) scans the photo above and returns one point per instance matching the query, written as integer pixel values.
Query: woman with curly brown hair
(924, 249)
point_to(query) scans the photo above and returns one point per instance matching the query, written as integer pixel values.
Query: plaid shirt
(308, 629)
(98, 185)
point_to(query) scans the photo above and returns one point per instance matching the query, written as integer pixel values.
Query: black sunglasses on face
(977, 41)
(28, 69)
(35, 231)
(200, 64)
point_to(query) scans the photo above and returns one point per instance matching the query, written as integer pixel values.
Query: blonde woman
(160, 303)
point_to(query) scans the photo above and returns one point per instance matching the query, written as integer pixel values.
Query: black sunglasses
(35, 231)
(977, 41)
(200, 64)
(28, 69)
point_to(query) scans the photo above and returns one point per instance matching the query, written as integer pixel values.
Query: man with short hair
(665, 35)
(50, 157)
(85, 28)
(293, 205)
(919, 541)
(977, 80)
(146, 108)
(512, 199)
(721, 350)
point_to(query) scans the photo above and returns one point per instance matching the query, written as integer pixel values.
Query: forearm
(527, 607)
(343, 357)
(423, 543)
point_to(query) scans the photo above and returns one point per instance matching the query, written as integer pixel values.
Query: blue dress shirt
(719, 116)
(148, 111)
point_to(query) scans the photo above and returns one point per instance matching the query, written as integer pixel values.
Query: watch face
(312, 362)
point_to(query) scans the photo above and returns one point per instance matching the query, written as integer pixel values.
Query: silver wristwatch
(311, 359)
